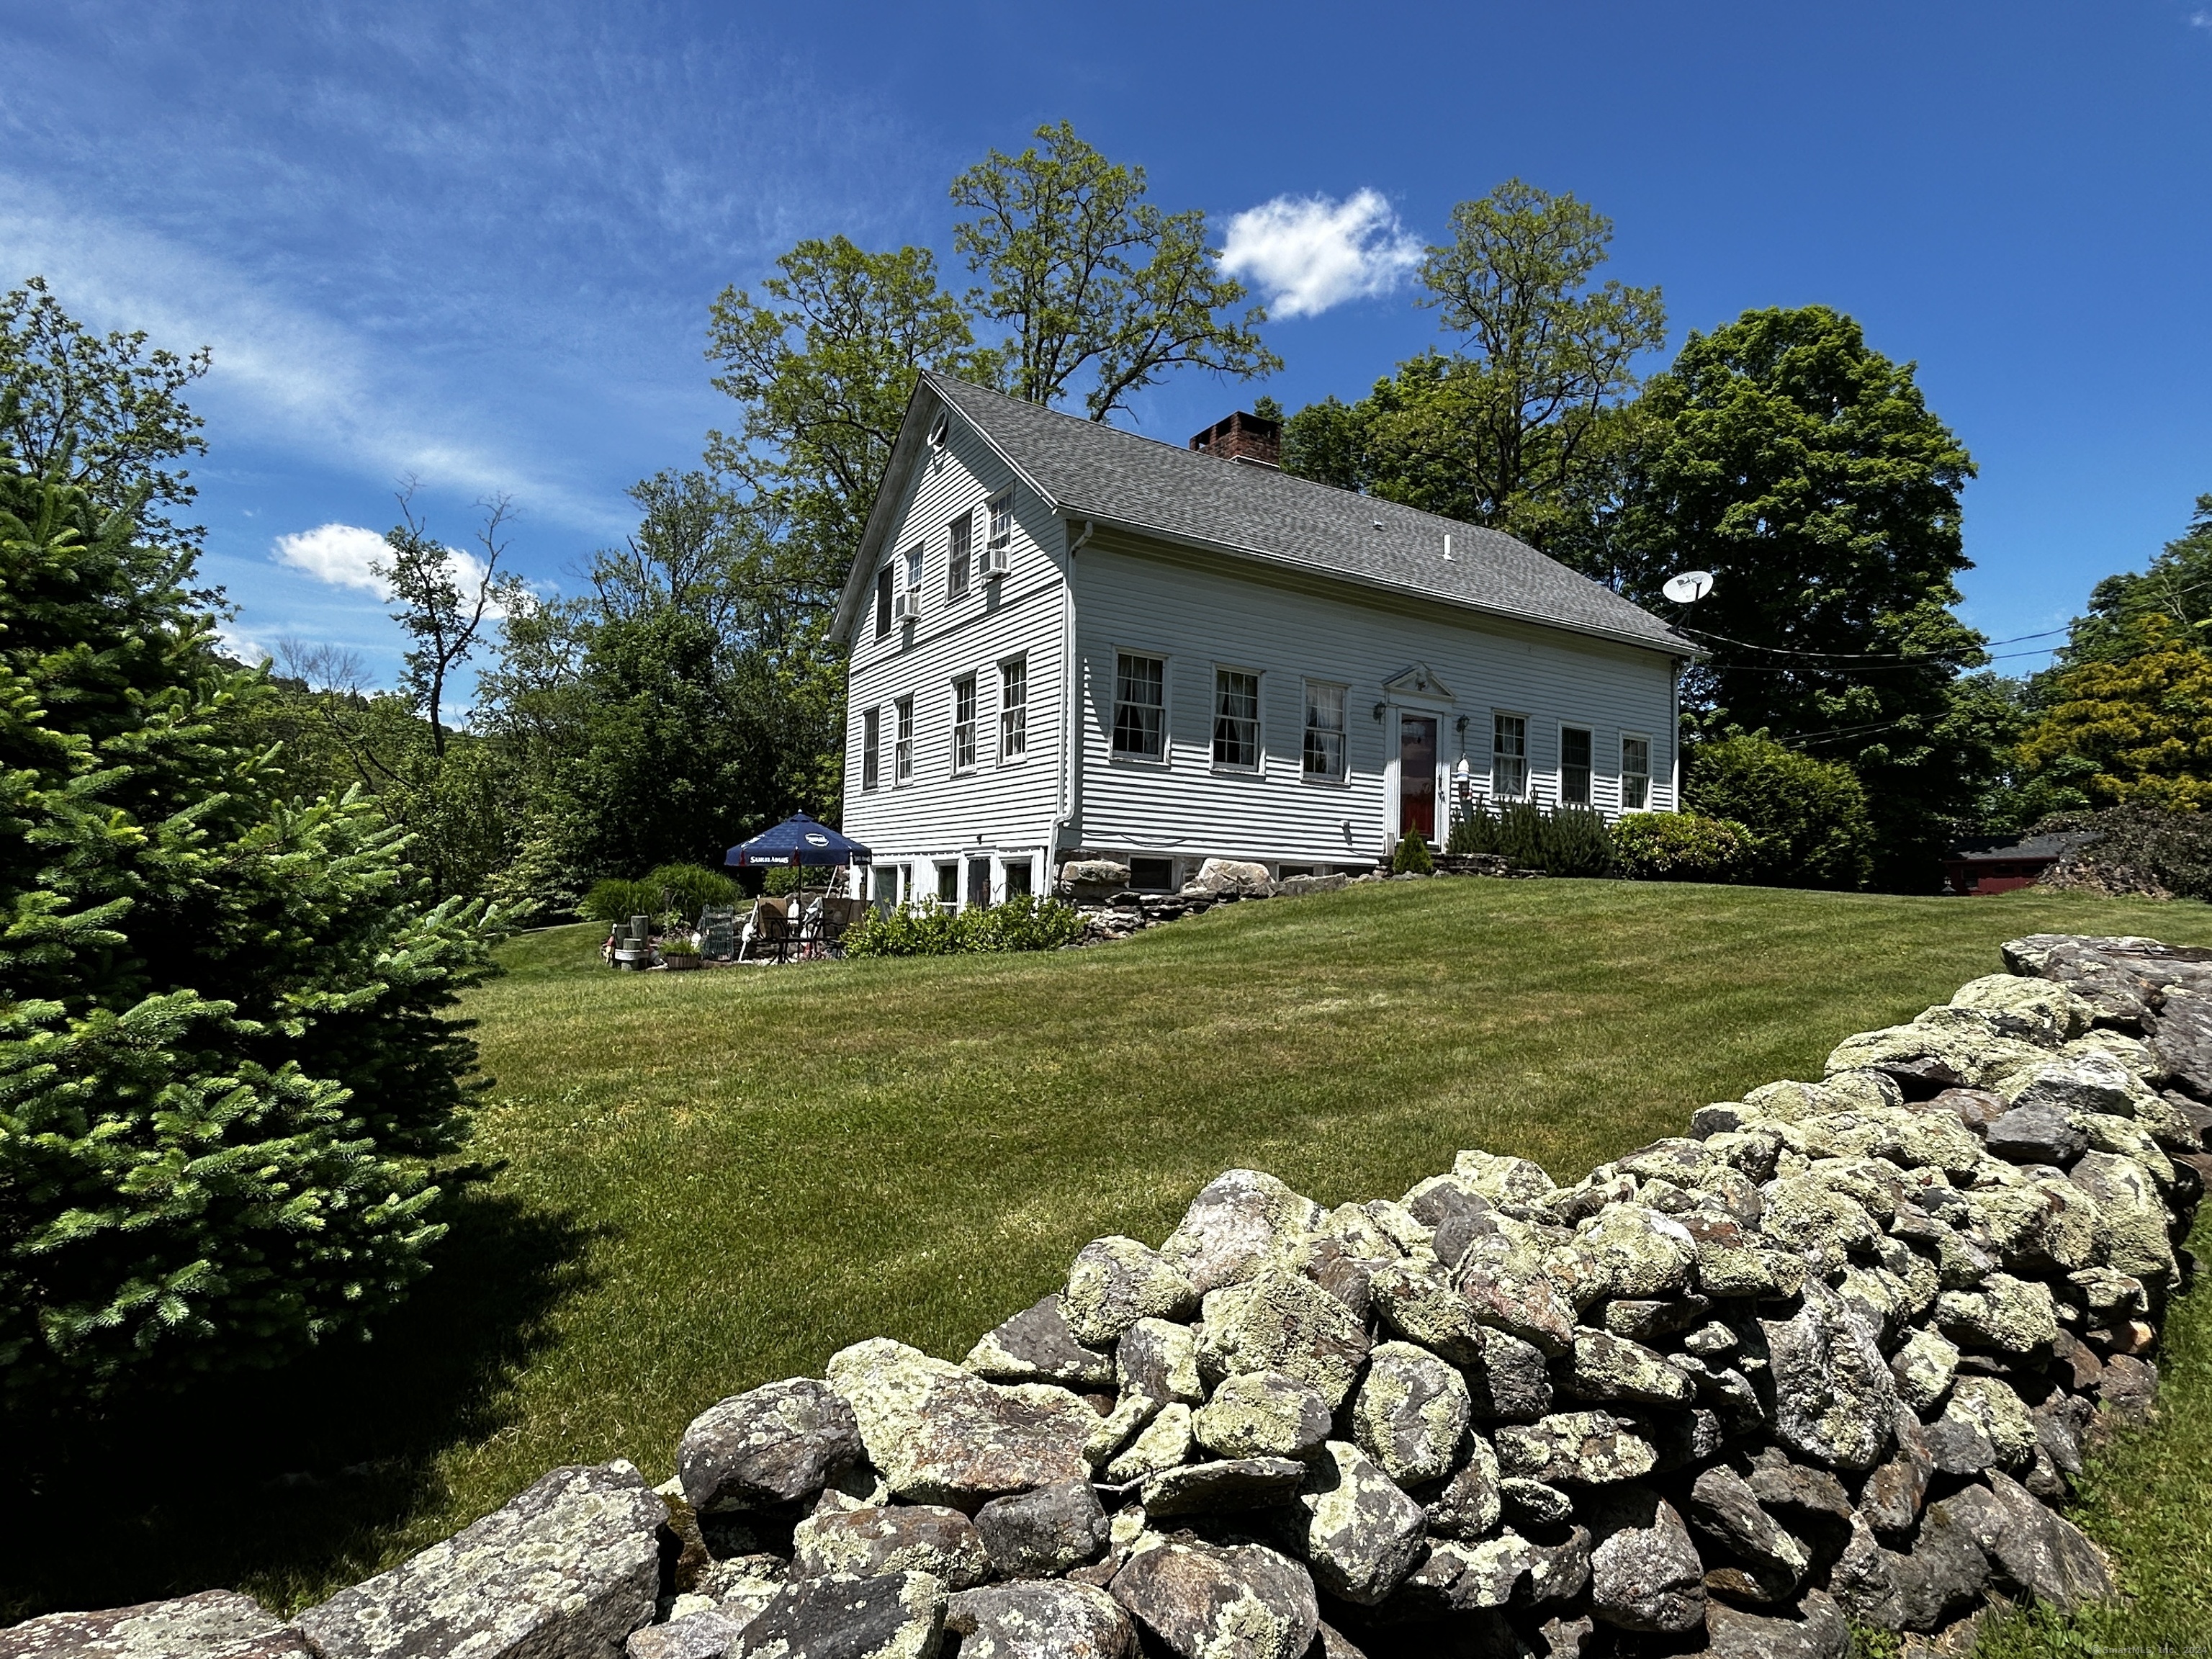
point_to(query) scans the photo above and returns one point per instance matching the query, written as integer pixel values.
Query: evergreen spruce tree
(226, 1058)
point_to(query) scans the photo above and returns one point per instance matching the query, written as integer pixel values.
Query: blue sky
(476, 244)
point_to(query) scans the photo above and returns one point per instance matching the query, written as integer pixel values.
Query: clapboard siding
(1010, 804)
(1201, 613)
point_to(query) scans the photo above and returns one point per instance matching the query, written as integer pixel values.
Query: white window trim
(1561, 728)
(871, 754)
(1621, 775)
(1259, 767)
(1165, 760)
(1528, 761)
(897, 704)
(954, 595)
(953, 689)
(1005, 759)
(990, 511)
(1322, 780)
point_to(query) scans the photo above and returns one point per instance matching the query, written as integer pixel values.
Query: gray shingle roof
(1086, 468)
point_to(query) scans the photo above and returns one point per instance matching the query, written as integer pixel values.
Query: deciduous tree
(1098, 284)
(2132, 726)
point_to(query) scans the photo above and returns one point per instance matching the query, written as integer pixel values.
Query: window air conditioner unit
(995, 561)
(908, 606)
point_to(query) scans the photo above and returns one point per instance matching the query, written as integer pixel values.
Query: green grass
(694, 1183)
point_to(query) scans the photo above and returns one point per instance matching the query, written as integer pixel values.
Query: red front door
(1417, 776)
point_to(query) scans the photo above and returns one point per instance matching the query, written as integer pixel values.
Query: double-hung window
(1635, 774)
(902, 741)
(1324, 734)
(1236, 718)
(1574, 766)
(914, 568)
(956, 562)
(1139, 707)
(1508, 755)
(964, 723)
(1002, 519)
(1013, 709)
(872, 731)
(883, 580)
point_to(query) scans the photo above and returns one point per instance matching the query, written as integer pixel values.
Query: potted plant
(679, 951)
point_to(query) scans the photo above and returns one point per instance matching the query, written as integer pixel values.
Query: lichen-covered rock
(1646, 1574)
(2182, 1045)
(1816, 1629)
(2034, 1551)
(1036, 1345)
(2009, 1315)
(895, 1616)
(1159, 1358)
(1410, 1413)
(1511, 1382)
(741, 1587)
(707, 1634)
(1574, 1449)
(212, 1624)
(1165, 1441)
(569, 1568)
(1730, 1260)
(1034, 1534)
(1522, 1304)
(1532, 1504)
(1504, 1180)
(1470, 1503)
(1223, 1486)
(1892, 1498)
(1034, 1621)
(1603, 1366)
(2083, 1083)
(777, 1444)
(899, 1538)
(1262, 1414)
(1641, 1252)
(1985, 1425)
(1807, 1213)
(1118, 1427)
(1453, 1212)
(2135, 1216)
(2041, 1134)
(1419, 1303)
(1117, 1281)
(1650, 1321)
(1724, 1509)
(2038, 1011)
(942, 1435)
(1241, 1222)
(1363, 1534)
(1834, 1399)
(1244, 1602)
(1941, 1576)
(1278, 1321)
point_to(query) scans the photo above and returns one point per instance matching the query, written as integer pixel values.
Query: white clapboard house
(1067, 640)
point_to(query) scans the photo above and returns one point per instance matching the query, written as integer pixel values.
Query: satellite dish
(1689, 585)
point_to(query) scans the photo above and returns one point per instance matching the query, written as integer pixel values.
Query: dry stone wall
(1832, 1357)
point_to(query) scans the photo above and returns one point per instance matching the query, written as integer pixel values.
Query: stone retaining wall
(1833, 1356)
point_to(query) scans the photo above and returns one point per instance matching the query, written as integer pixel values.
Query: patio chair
(717, 931)
(770, 925)
(837, 916)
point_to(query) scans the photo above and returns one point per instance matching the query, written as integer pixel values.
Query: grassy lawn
(689, 1184)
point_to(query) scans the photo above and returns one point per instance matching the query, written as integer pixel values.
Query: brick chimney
(1243, 437)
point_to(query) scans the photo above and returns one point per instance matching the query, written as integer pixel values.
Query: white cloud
(1307, 253)
(339, 554)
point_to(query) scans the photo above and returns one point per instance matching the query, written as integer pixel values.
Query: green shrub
(616, 900)
(688, 888)
(1023, 923)
(681, 944)
(227, 1062)
(1411, 856)
(1807, 817)
(1680, 847)
(1566, 840)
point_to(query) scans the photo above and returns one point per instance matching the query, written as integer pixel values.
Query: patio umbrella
(800, 841)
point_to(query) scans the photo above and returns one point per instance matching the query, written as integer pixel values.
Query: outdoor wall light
(1380, 709)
